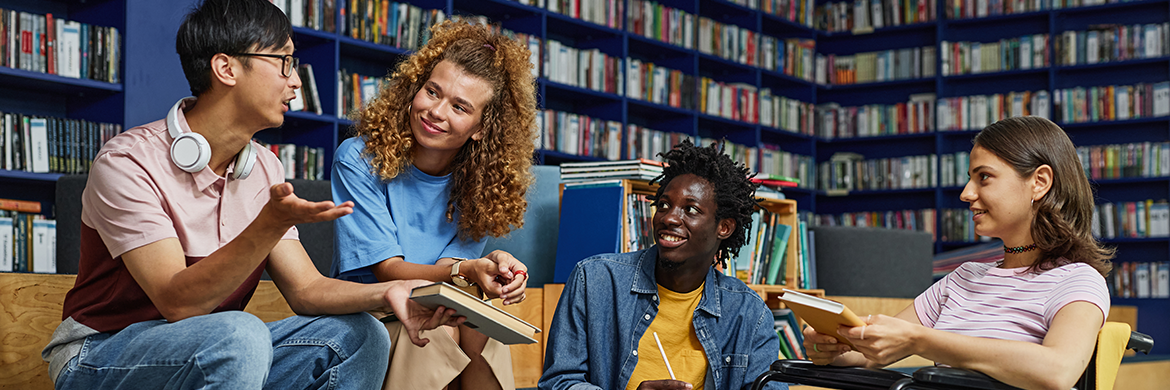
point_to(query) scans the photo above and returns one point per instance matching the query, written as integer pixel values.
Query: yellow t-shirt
(674, 327)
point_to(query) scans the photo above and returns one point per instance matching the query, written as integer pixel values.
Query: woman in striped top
(1030, 319)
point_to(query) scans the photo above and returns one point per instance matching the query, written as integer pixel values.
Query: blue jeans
(235, 350)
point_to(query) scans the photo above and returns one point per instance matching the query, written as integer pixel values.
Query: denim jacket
(610, 300)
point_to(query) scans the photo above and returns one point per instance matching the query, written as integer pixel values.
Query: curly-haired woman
(440, 160)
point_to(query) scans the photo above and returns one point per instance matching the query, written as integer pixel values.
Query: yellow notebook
(823, 314)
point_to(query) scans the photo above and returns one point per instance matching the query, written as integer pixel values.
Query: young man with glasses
(180, 218)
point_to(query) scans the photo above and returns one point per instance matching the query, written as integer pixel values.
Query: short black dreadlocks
(733, 188)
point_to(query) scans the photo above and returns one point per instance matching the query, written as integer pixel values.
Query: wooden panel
(1143, 376)
(30, 309)
(268, 304)
(552, 294)
(528, 359)
(1126, 314)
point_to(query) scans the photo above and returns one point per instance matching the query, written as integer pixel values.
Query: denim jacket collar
(646, 283)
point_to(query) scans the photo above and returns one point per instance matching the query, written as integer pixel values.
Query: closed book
(26, 206)
(481, 316)
(824, 315)
(779, 249)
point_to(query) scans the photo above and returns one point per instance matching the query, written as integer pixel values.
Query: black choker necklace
(1018, 249)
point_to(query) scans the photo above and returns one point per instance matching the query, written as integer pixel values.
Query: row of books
(48, 44)
(922, 220)
(849, 171)
(653, 20)
(735, 101)
(966, 9)
(314, 14)
(1108, 43)
(1139, 280)
(878, 66)
(861, 16)
(952, 169)
(594, 173)
(357, 90)
(789, 331)
(1112, 102)
(784, 113)
(957, 226)
(580, 135)
(308, 98)
(657, 84)
(28, 243)
(977, 111)
(1144, 159)
(299, 161)
(390, 23)
(1026, 52)
(749, 156)
(732, 42)
(604, 12)
(642, 142)
(57, 145)
(765, 257)
(639, 212)
(777, 162)
(795, 57)
(798, 11)
(584, 68)
(912, 117)
(1147, 218)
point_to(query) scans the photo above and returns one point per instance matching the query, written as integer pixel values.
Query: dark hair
(230, 27)
(1062, 227)
(732, 184)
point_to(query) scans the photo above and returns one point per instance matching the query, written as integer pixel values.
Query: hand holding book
(414, 316)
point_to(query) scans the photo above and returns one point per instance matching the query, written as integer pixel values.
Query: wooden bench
(30, 309)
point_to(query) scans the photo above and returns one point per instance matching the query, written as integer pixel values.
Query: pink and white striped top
(980, 300)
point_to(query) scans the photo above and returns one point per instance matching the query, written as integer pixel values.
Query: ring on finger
(815, 348)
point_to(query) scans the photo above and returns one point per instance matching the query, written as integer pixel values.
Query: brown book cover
(481, 315)
(823, 314)
(26, 206)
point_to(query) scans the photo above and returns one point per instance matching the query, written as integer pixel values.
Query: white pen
(668, 369)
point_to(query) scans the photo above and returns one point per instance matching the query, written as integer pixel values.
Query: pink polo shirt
(136, 196)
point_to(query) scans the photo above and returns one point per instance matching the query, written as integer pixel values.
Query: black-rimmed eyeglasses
(288, 63)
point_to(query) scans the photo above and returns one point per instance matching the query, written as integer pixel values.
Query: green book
(779, 250)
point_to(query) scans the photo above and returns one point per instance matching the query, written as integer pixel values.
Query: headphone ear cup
(190, 152)
(245, 161)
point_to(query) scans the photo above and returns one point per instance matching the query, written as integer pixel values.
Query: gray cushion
(536, 243)
(873, 262)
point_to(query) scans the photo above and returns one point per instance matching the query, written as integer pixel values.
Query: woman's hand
(822, 349)
(884, 340)
(415, 317)
(500, 275)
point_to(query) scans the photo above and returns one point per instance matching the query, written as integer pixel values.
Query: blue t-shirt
(405, 216)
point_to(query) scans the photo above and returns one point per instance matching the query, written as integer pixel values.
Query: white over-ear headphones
(191, 152)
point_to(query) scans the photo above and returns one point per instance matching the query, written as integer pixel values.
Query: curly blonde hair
(490, 176)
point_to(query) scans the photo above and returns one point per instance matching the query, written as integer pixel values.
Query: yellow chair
(1112, 342)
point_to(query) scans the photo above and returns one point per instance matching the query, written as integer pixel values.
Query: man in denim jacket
(642, 319)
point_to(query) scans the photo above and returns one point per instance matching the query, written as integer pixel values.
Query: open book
(481, 316)
(824, 315)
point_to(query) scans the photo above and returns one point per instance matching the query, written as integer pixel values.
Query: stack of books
(640, 169)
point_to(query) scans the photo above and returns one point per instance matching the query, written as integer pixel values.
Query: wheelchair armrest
(957, 378)
(1140, 342)
(805, 372)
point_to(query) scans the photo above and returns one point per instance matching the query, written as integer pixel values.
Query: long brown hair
(489, 176)
(1062, 227)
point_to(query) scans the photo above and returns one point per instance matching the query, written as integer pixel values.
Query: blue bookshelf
(153, 81)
